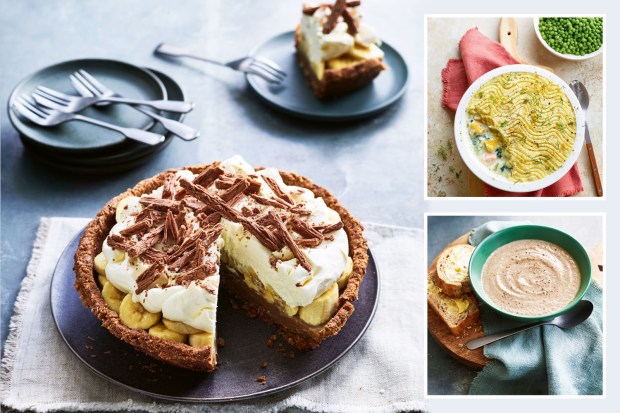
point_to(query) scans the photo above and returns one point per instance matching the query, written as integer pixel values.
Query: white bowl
(562, 55)
(466, 149)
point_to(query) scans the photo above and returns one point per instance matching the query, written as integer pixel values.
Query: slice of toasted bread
(452, 274)
(457, 312)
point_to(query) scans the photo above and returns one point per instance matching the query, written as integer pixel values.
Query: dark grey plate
(295, 97)
(128, 80)
(125, 156)
(240, 359)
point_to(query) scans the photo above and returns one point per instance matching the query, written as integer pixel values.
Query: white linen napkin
(382, 373)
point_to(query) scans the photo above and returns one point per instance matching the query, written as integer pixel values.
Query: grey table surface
(446, 376)
(373, 166)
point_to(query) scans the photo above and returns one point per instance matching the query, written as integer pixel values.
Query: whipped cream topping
(195, 304)
(321, 47)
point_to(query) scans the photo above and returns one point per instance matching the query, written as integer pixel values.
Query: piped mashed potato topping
(522, 126)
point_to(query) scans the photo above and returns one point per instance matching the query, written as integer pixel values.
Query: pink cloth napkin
(480, 55)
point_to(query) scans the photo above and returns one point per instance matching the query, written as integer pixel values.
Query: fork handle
(166, 49)
(139, 135)
(165, 105)
(180, 129)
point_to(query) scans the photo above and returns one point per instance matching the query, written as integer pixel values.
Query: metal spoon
(584, 100)
(573, 317)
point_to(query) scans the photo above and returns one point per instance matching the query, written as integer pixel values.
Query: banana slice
(124, 208)
(102, 280)
(344, 278)
(179, 327)
(199, 340)
(112, 296)
(342, 61)
(100, 263)
(322, 308)
(160, 330)
(360, 52)
(134, 316)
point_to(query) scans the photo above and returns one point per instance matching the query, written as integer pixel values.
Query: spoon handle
(594, 166)
(491, 338)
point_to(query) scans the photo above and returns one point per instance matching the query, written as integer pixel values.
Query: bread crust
(450, 287)
(338, 82)
(473, 311)
(179, 354)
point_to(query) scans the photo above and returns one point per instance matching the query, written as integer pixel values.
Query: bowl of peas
(571, 38)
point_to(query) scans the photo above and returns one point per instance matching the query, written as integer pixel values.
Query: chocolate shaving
(288, 240)
(153, 255)
(274, 202)
(118, 242)
(168, 187)
(148, 240)
(184, 260)
(208, 176)
(304, 229)
(299, 210)
(193, 203)
(273, 184)
(234, 190)
(310, 10)
(226, 181)
(308, 242)
(235, 200)
(332, 19)
(254, 187)
(171, 229)
(159, 204)
(197, 273)
(137, 228)
(246, 212)
(350, 21)
(148, 277)
(329, 228)
(228, 212)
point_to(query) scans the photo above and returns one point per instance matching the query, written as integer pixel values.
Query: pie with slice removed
(151, 263)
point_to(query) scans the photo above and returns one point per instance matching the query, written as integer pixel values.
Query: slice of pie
(151, 262)
(338, 52)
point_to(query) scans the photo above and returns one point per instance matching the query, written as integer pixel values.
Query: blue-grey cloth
(543, 360)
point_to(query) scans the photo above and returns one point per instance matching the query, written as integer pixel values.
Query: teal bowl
(537, 232)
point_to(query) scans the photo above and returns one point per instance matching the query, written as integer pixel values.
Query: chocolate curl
(148, 277)
(288, 240)
(332, 19)
(310, 10)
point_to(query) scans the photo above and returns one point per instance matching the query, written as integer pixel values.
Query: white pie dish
(466, 149)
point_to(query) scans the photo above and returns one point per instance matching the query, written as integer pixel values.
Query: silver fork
(259, 66)
(71, 104)
(86, 85)
(50, 117)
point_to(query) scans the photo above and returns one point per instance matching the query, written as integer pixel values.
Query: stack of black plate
(84, 148)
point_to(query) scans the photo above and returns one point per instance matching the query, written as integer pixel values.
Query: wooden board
(455, 346)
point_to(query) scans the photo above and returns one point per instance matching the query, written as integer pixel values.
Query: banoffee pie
(337, 50)
(151, 263)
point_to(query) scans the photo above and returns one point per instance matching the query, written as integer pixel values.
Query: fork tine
(261, 68)
(53, 92)
(93, 90)
(93, 81)
(33, 106)
(272, 65)
(42, 93)
(268, 69)
(26, 113)
(265, 75)
(80, 87)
